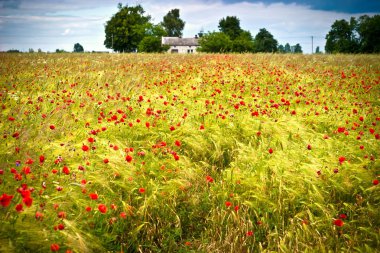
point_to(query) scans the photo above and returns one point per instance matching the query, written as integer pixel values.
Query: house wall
(183, 49)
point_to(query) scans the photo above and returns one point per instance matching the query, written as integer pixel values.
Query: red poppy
(52, 127)
(54, 247)
(102, 208)
(62, 215)
(28, 201)
(39, 216)
(228, 204)
(91, 140)
(123, 215)
(249, 233)
(375, 182)
(343, 216)
(177, 143)
(236, 208)
(42, 159)
(270, 151)
(88, 209)
(106, 160)
(128, 158)
(93, 196)
(66, 170)
(341, 159)
(61, 226)
(338, 223)
(141, 190)
(5, 199)
(209, 179)
(85, 148)
(19, 208)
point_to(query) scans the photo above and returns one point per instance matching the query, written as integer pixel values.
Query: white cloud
(66, 32)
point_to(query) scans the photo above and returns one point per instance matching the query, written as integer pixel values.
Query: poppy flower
(141, 190)
(102, 208)
(28, 201)
(93, 196)
(54, 247)
(228, 204)
(85, 148)
(270, 151)
(5, 199)
(52, 127)
(209, 179)
(128, 158)
(343, 216)
(42, 159)
(375, 182)
(341, 159)
(177, 143)
(338, 223)
(66, 170)
(249, 233)
(88, 209)
(39, 216)
(123, 215)
(236, 208)
(106, 160)
(62, 215)
(19, 208)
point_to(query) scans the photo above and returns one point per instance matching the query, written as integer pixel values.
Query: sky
(59, 24)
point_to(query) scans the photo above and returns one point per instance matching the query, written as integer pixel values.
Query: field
(189, 153)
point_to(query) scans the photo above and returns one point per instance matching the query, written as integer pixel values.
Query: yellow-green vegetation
(189, 153)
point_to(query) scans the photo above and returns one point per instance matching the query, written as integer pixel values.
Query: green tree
(243, 43)
(281, 49)
(151, 43)
(230, 26)
(369, 31)
(78, 48)
(215, 42)
(126, 29)
(298, 49)
(173, 24)
(341, 38)
(287, 48)
(264, 42)
(317, 50)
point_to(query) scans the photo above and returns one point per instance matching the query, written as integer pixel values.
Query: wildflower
(250, 233)
(338, 223)
(341, 159)
(209, 179)
(228, 203)
(128, 158)
(102, 208)
(270, 151)
(28, 201)
(141, 190)
(85, 148)
(54, 247)
(19, 208)
(375, 182)
(93, 196)
(52, 127)
(5, 199)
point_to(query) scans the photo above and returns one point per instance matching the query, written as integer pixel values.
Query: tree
(173, 24)
(215, 42)
(78, 48)
(243, 43)
(369, 31)
(317, 50)
(264, 42)
(297, 48)
(230, 26)
(287, 48)
(152, 41)
(31, 50)
(126, 29)
(281, 49)
(341, 38)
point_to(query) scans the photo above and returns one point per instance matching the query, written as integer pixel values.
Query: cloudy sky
(52, 24)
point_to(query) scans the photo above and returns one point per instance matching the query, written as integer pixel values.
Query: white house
(181, 45)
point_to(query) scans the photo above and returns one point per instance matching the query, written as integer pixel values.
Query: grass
(191, 153)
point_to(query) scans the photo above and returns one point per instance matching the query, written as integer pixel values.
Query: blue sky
(52, 24)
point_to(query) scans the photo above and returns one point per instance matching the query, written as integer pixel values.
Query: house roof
(176, 41)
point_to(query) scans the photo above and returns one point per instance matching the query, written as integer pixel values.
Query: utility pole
(312, 46)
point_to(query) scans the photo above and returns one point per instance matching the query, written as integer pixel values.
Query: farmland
(189, 153)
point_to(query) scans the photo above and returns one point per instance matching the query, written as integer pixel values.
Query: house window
(175, 51)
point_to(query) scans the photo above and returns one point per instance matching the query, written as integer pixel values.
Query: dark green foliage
(298, 49)
(126, 29)
(369, 31)
(215, 42)
(360, 35)
(173, 24)
(341, 38)
(264, 42)
(78, 48)
(230, 26)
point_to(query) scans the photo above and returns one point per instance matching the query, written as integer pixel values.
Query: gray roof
(176, 41)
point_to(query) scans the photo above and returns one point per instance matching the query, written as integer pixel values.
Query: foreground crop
(202, 153)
